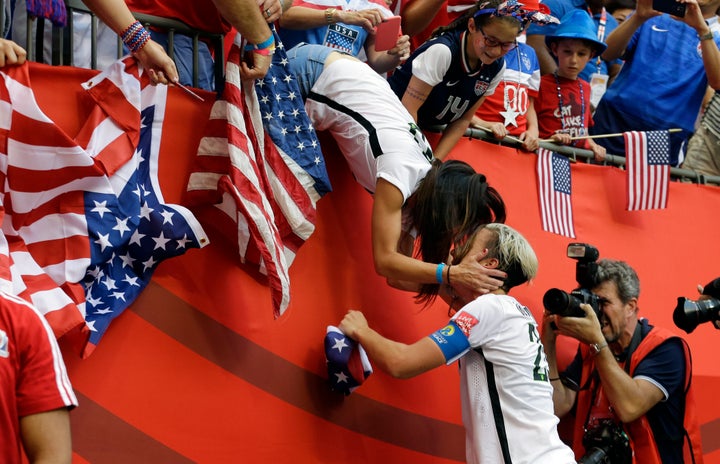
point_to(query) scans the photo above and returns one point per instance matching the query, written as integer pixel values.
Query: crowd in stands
(557, 71)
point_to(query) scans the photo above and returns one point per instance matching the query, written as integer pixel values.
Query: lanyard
(600, 32)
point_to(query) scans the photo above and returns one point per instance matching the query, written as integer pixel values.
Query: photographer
(626, 373)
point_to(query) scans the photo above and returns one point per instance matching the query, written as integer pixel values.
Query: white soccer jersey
(372, 128)
(506, 394)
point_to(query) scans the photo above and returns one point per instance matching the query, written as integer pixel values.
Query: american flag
(648, 169)
(84, 219)
(555, 192)
(260, 164)
(347, 363)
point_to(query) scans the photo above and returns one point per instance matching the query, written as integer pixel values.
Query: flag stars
(182, 243)
(268, 116)
(104, 241)
(136, 237)
(100, 208)
(93, 301)
(292, 96)
(340, 344)
(341, 377)
(126, 259)
(167, 216)
(281, 114)
(149, 264)
(284, 131)
(103, 311)
(131, 281)
(109, 283)
(298, 129)
(265, 99)
(301, 146)
(160, 241)
(145, 211)
(118, 295)
(287, 78)
(121, 226)
(295, 112)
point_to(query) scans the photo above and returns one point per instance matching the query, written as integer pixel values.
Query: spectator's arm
(46, 437)
(301, 18)
(418, 15)
(710, 53)
(384, 61)
(619, 38)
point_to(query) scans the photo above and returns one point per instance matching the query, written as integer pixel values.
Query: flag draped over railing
(555, 193)
(648, 169)
(84, 223)
(260, 164)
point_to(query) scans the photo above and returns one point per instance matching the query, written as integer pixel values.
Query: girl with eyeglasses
(448, 77)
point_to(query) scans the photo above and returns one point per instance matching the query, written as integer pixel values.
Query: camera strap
(634, 342)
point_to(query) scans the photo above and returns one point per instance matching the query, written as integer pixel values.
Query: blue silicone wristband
(261, 46)
(439, 273)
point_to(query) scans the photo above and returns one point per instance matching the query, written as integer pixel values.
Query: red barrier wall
(199, 371)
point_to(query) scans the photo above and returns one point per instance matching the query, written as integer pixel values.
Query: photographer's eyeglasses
(492, 42)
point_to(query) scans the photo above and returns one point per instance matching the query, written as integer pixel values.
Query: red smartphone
(387, 33)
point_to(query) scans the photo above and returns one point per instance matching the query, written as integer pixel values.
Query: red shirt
(199, 15)
(32, 372)
(567, 117)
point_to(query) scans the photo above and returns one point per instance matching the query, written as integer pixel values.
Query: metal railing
(62, 46)
(575, 154)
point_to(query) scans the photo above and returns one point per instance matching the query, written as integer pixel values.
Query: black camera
(568, 304)
(606, 443)
(689, 314)
(565, 304)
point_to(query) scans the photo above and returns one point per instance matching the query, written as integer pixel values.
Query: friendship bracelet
(439, 273)
(135, 36)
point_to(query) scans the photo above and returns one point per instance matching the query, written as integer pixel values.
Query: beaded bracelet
(135, 36)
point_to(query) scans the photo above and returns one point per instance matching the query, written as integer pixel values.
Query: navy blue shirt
(460, 88)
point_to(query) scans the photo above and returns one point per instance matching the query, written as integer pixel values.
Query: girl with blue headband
(447, 78)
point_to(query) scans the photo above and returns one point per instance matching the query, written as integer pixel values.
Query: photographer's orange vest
(641, 436)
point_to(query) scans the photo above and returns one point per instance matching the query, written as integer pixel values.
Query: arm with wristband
(151, 55)
(246, 17)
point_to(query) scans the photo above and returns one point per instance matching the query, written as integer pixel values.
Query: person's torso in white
(508, 336)
(368, 120)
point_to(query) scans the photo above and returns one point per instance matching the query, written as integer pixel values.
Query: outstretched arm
(152, 56)
(397, 359)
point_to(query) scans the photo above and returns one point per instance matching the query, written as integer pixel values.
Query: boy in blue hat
(563, 107)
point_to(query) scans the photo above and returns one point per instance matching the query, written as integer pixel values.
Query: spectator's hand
(599, 151)
(255, 66)
(472, 275)
(367, 19)
(157, 63)
(530, 141)
(498, 129)
(352, 323)
(644, 10)
(693, 16)
(271, 9)
(401, 48)
(561, 139)
(11, 53)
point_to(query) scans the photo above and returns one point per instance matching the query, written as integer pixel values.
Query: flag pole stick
(599, 136)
